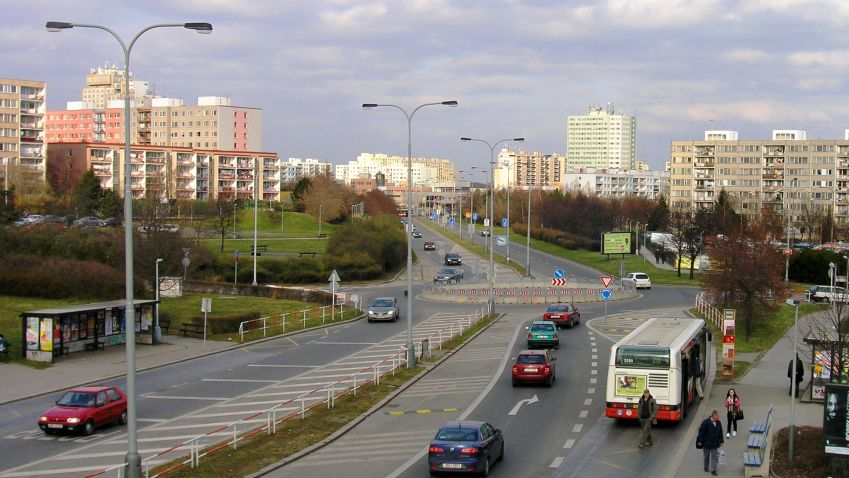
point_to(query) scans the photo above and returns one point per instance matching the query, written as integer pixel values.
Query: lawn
(476, 249)
(276, 244)
(295, 224)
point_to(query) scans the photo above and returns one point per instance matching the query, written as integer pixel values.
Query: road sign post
(334, 282)
(205, 307)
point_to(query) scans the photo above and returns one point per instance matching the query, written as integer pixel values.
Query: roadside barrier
(709, 311)
(276, 325)
(268, 421)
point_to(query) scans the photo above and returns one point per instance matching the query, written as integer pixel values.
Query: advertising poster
(616, 243)
(835, 417)
(107, 325)
(45, 336)
(822, 365)
(32, 333)
(630, 385)
(147, 317)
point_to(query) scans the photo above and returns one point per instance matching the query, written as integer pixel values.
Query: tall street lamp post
(157, 332)
(491, 301)
(320, 207)
(133, 459)
(411, 353)
(256, 215)
(508, 200)
(528, 245)
(792, 434)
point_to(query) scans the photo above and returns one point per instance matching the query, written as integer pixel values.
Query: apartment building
(788, 174)
(105, 84)
(170, 172)
(520, 169)
(22, 150)
(294, 169)
(394, 169)
(618, 184)
(212, 124)
(601, 139)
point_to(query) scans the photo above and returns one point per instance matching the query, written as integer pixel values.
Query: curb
(371, 411)
(185, 359)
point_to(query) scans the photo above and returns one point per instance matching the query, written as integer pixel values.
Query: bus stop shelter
(50, 333)
(828, 363)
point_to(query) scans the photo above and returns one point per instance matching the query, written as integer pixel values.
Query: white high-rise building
(394, 168)
(294, 169)
(601, 139)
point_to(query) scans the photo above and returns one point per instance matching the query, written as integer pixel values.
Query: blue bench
(763, 425)
(756, 445)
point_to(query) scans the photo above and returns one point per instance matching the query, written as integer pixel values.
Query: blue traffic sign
(559, 273)
(606, 294)
(451, 221)
(504, 222)
(474, 216)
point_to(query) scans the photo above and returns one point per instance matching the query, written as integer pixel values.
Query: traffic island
(527, 292)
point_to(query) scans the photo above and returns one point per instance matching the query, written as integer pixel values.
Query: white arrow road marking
(519, 404)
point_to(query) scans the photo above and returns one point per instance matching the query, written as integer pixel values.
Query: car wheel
(501, 456)
(88, 428)
(485, 471)
(123, 418)
(550, 382)
(515, 383)
(571, 322)
(48, 431)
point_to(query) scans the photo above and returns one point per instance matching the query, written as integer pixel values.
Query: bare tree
(697, 226)
(223, 218)
(810, 218)
(679, 223)
(831, 328)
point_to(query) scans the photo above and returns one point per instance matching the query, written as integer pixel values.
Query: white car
(638, 280)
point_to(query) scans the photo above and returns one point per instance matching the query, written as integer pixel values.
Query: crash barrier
(709, 311)
(528, 292)
(275, 325)
(190, 452)
(755, 458)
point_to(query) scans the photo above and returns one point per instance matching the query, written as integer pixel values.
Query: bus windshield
(642, 357)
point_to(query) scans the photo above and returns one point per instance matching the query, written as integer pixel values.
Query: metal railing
(209, 443)
(276, 324)
(709, 311)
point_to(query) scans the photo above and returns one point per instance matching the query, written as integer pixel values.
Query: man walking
(800, 374)
(646, 413)
(710, 439)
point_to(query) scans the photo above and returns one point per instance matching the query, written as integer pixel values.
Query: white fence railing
(276, 324)
(229, 436)
(709, 311)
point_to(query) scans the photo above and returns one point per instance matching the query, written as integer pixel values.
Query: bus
(659, 356)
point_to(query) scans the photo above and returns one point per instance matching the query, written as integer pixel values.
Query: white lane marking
(557, 462)
(519, 404)
(593, 372)
(281, 366)
(324, 342)
(53, 472)
(151, 420)
(569, 443)
(167, 397)
(588, 401)
(594, 357)
(237, 380)
(594, 364)
(583, 414)
(591, 390)
(593, 380)
(595, 350)
(577, 428)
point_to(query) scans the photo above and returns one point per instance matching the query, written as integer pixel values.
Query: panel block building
(23, 153)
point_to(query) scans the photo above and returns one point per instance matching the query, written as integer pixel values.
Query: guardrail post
(241, 332)
(440, 339)
(264, 327)
(283, 321)
(303, 409)
(329, 398)
(305, 318)
(322, 313)
(194, 459)
(393, 366)
(376, 376)
(235, 435)
(341, 313)
(355, 383)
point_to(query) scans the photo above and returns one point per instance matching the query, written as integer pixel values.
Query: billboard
(834, 419)
(616, 243)
(630, 385)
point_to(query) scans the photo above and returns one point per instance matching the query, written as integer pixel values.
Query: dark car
(83, 409)
(485, 233)
(465, 447)
(110, 222)
(562, 314)
(448, 275)
(453, 259)
(534, 366)
(429, 246)
(87, 221)
(51, 219)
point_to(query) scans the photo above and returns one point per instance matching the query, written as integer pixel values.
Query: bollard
(193, 450)
(322, 313)
(440, 339)
(283, 323)
(329, 399)
(376, 377)
(303, 409)
(263, 327)
(305, 317)
(355, 384)
(235, 435)
(341, 314)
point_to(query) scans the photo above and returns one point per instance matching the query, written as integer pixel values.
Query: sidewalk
(766, 383)
(22, 382)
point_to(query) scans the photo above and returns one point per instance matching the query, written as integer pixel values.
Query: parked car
(383, 308)
(110, 222)
(448, 275)
(828, 294)
(485, 233)
(34, 219)
(534, 366)
(465, 446)
(87, 221)
(417, 235)
(429, 246)
(638, 280)
(83, 409)
(543, 333)
(562, 314)
(453, 259)
(51, 219)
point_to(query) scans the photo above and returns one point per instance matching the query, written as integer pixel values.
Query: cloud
(819, 84)
(827, 59)
(746, 55)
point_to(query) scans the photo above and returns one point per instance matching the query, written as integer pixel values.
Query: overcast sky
(517, 68)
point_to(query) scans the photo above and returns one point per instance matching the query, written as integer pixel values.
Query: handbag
(699, 445)
(721, 459)
(738, 414)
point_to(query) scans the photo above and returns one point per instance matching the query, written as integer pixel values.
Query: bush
(225, 325)
(29, 275)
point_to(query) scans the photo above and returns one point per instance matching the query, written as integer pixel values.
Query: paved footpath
(766, 383)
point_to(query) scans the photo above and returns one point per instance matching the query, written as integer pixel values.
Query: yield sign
(334, 277)
(606, 281)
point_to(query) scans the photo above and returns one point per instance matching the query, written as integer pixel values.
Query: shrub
(225, 325)
(29, 275)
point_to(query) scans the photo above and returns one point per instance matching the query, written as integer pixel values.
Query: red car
(429, 246)
(562, 314)
(534, 366)
(83, 409)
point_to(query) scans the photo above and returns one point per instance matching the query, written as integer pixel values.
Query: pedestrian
(800, 374)
(709, 440)
(696, 373)
(647, 414)
(656, 255)
(732, 407)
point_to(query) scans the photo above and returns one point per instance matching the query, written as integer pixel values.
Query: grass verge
(295, 434)
(810, 460)
(477, 249)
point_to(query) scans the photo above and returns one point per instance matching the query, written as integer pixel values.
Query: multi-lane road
(560, 433)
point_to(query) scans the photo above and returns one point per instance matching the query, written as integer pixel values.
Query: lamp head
(369, 105)
(465, 139)
(518, 139)
(58, 26)
(159, 260)
(450, 103)
(200, 27)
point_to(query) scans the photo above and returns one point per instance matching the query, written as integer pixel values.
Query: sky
(517, 68)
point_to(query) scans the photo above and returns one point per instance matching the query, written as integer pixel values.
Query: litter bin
(425, 348)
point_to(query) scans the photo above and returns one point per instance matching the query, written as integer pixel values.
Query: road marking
(577, 428)
(595, 357)
(151, 420)
(344, 343)
(557, 462)
(569, 443)
(166, 397)
(584, 413)
(588, 401)
(423, 411)
(593, 372)
(595, 350)
(519, 404)
(281, 366)
(594, 364)
(290, 340)
(593, 380)
(237, 380)
(591, 390)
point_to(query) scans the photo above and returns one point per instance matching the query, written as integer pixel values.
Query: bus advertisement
(663, 355)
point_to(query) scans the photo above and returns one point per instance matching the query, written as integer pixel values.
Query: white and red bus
(659, 355)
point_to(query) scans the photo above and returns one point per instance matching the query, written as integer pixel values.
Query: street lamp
(491, 302)
(157, 332)
(508, 199)
(794, 303)
(320, 208)
(411, 353)
(133, 459)
(528, 245)
(256, 216)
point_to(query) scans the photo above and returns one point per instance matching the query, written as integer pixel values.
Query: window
(113, 395)
(642, 357)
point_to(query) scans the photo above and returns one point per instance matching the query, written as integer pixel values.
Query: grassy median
(296, 434)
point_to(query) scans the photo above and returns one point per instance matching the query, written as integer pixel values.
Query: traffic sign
(474, 216)
(559, 273)
(788, 252)
(606, 294)
(334, 277)
(606, 281)
(500, 240)
(504, 222)
(451, 221)
(486, 222)
(432, 215)
(560, 282)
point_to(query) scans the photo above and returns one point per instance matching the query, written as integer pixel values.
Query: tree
(697, 227)
(659, 216)
(811, 219)
(328, 198)
(88, 193)
(223, 218)
(725, 217)
(747, 273)
(298, 191)
(679, 225)
(376, 203)
(832, 328)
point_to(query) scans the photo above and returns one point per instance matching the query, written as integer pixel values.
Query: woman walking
(732, 407)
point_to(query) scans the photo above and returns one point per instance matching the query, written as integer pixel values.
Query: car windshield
(542, 328)
(382, 303)
(447, 271)
(452, 256)
(530, 359)
(642, 357)
(558, 308)
(77, 399)
(457, 434)
(640, 276)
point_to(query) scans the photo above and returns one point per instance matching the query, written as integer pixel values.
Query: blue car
(465, 447)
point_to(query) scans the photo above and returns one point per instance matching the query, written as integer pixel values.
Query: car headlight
(42, 419)
(73, 420)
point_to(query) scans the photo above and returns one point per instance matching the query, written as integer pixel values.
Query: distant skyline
(516, 68)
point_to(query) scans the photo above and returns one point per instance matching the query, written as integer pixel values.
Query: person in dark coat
(800, 374)
(647, 414)
(710, 438)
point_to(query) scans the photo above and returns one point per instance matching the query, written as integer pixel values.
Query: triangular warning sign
(606, 281)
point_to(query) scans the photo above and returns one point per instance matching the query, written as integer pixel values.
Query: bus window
(642, 357)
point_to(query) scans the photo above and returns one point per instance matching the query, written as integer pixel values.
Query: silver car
(448, 275)
(383, 308)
